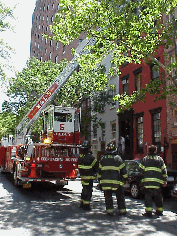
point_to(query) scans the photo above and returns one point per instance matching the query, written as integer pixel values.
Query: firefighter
(112, 175)
(154, 177)
(88, 167)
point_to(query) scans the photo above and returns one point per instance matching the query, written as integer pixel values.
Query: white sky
(20, 39)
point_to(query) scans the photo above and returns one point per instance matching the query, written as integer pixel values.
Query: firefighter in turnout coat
(88, 167)
(154, 177)
(112, 175)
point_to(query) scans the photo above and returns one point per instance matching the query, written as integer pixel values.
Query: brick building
(45, 49)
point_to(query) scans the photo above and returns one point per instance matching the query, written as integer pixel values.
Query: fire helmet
(111, 148)
(85, 144)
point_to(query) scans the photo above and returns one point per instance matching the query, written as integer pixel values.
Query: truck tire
(134, 190)
(59, 187)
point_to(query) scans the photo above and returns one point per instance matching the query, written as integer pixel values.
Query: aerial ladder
(23, 130)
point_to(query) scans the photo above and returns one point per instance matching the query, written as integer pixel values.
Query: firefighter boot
(86, 207)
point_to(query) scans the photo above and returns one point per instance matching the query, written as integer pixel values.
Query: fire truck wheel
(59, 187)
(16, 180)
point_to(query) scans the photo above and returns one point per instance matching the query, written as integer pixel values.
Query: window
(99, 102)
(80, 41)
(56, 59)
(138, 79)
(63, 49)
(103, 131)
(41, 59)
(175, 116)
(52, 19)
(47, 7)
(63, 117)
(173, 70)
(112, 94)
(125, 82)
(139, 134)
(156, 126)
(46, 28)
(138, 82)
(154, 72)
(50, 42)
(113, 129)
(95, 131)
(50, 55)
(57, 46)
(132, 167)
(39, 26)
(45, 41)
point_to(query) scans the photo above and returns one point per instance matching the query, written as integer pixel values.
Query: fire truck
(54, 159)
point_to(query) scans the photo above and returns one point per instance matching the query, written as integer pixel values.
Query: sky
(20, 39)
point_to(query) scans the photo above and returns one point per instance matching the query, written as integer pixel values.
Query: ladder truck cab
(61, 125)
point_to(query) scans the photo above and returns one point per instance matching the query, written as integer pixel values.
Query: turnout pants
(86, 194)
(158, 199)
(120, 200)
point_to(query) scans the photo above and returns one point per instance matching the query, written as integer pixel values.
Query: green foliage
(29, 85)
(118, 27)
(129, 30)
(5, 13)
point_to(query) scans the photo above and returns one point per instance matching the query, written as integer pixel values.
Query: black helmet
(86, 144)
(111, 148)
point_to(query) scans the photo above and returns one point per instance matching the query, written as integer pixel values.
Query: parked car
(134, 185)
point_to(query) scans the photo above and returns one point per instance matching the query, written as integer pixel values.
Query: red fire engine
(55, 158)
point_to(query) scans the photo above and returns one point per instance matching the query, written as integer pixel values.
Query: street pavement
(44, 211)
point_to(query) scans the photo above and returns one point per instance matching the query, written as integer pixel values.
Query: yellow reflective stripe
(153, 168)
(113, 167)
(125, 176)
(86, 202)
(100, 166)
(163, 167)
(109, 181)
(110, 210)
(165, 175)
(159, 208)
(122, 166)
(156, 187)
(84, 183)
(109, 188)
(141, 166)
(110, 168)
(93, 163)
(122, 210)
(87, 177)
(149, 208)
(99, 176)
(87, 167)
(84, 167)
(153, 179)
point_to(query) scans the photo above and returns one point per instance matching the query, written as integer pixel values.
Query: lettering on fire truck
(58, 159)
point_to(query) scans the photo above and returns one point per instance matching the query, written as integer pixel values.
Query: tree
(129, 30)
(29, 85)
(5, 13)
